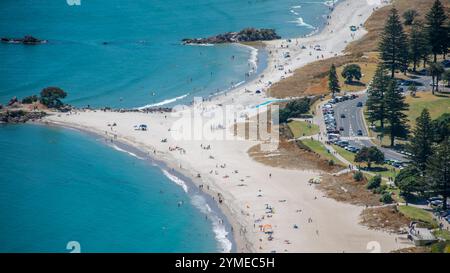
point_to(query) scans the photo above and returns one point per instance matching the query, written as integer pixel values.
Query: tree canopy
(370, 155)
(333, 81)
(437, 30)
(51, 97)
(295, 109)
(350, 72)
(421, 141)
(395, 107)
(393, 45)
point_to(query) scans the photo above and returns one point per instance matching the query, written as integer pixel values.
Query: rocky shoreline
(20, 116)
(245, 35)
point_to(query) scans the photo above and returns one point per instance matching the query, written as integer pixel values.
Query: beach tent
(353, 28)
(267, 228)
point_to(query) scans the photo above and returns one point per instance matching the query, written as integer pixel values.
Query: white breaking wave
(297, 7)
(200, 44)
(177, 180)
(330, 3)
(164, 102)
(218, 226)
(293, 12)
(252, 60)
(125, 151)
(301, 23)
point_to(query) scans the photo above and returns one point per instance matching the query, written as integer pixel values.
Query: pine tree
(333, 81)
(438, 171)
(393, 48)
(437, 31)
(375, 101)
(422, 141)
(436, 70)
(418, 44)
(395, 106)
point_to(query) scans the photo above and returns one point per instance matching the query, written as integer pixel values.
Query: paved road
(353, 122)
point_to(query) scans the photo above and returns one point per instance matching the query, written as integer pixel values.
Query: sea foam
(164, 102)
(218, 227)
(127, 152)
(176, 180)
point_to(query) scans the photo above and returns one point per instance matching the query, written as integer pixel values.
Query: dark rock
(245, 35)
(27, 40)
(20, 116)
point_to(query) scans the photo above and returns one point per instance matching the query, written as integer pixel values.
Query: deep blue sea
(59, 185)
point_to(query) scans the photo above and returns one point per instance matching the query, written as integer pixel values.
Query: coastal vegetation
(295, 109)
(33, 107)
(51, 97)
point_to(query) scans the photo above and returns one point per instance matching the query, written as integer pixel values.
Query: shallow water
(143, 61)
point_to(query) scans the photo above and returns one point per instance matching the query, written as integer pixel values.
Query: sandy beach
(252, 195)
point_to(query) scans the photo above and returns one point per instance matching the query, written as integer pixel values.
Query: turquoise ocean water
(56, 185)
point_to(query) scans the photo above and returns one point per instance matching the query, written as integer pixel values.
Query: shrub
(350, 72)
(331, 162)
(386, 198)
(374, 182)
(30, 99)
(358, 176)
(295, 109)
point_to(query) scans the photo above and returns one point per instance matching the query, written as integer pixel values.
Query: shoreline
(164, 166)
(238, 205)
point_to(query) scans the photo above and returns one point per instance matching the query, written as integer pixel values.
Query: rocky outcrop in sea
(27, 40)
(245, 35)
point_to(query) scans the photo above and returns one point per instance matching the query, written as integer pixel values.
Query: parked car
(341, 128)
(359, 104)
(431, 199)
(446, 63)
(436, 203)
(342, 115)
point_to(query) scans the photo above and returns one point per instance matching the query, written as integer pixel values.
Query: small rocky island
(27, 40)
(245, 35)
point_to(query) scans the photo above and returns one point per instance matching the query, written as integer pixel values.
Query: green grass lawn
(345, 154)
(319, 148)
(444, 234)
(303, 128)
(437, 105)
(418, 214)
